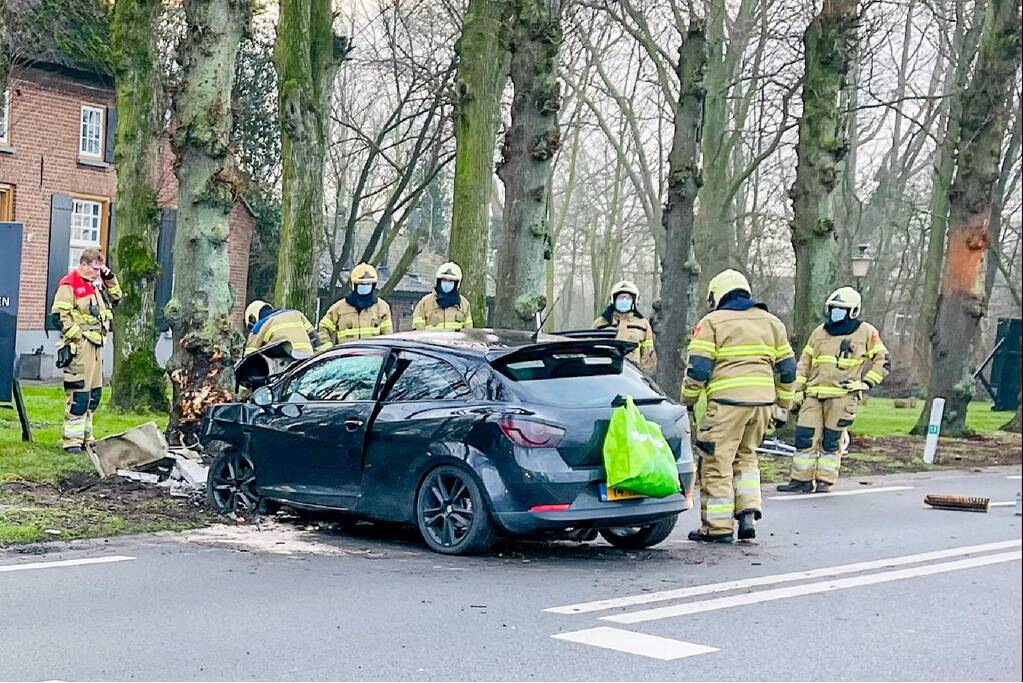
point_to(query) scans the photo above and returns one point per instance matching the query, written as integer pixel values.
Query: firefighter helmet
(625, 287)
(449, 271)
(364, 274)
(845, 297)
(724, 282)
(254, 311)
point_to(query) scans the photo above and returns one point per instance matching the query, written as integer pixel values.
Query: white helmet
(847, 298)
(253, 312)
(625, 287)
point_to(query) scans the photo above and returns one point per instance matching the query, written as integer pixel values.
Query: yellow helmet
(845, 297)
(724, 282)
(449, 271)
(625, 287)
(364, 274)
(253, 310)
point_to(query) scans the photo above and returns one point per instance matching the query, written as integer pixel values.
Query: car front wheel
(639, 537)
(452, 514)
(231, 485)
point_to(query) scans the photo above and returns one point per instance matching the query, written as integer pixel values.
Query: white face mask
(447, 286)
(623, 304)
(363, 290)
(838, 314)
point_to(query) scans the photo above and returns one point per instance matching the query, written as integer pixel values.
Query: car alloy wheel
(451, 513)
(232, 485)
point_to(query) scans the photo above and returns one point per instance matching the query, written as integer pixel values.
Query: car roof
(472, 342)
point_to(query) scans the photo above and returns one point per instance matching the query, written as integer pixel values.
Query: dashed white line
(1015, 476)
(836, 570)
(64, 563)
(1003, 504)
(645, 645)
(853, 492)
(809, 589)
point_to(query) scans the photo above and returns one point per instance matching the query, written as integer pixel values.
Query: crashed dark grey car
(467, 435)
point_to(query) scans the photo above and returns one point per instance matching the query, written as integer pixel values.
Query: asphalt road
(843, 587)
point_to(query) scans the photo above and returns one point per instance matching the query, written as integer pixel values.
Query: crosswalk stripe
(643, 644)
(808, 589)
(853, 492)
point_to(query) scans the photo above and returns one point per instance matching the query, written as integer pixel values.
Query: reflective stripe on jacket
(428, 315)
(633, 328)
(343, 322)
(287, 324)
(830, 361)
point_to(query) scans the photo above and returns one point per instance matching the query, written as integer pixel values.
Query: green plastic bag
(636, 456)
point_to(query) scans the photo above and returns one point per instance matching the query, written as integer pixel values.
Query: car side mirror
(263, 397)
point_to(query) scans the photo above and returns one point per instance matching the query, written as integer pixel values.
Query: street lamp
(861, 264)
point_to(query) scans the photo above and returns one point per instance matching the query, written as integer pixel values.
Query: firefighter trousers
(727, 444)
(83, 389)
(819, 430)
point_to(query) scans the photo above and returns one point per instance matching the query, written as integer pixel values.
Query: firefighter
(444, 308)
(360, 315)
(623, 315)
(740, 358)
(83, 310)
(843, 358)
(267, 326)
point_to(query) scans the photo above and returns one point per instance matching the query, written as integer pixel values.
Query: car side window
(423, 378)
(341, 378)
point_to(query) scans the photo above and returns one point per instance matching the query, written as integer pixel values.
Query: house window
(90, 141)
(6, 202)
(5, 117)
(88, 225)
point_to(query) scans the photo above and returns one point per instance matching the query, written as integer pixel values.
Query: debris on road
(139, 446)
(142, 455)
(967, 503)
(144, 477)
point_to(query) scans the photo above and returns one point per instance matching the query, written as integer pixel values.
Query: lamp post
(861, 264)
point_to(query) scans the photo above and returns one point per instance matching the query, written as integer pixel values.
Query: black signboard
(10, 276)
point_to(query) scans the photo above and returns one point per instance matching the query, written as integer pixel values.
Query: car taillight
(529, 434)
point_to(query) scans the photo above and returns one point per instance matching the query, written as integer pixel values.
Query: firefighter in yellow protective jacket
(444, 308)
(623, 315)
(360, 315)
(267, 326)
(843, 358)
(82, 307)
(741, 358)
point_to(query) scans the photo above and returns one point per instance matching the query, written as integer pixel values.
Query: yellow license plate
(613, 494)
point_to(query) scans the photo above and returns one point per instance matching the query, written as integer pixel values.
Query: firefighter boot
(796, 486)
(823, 487)
(697, 535)
(747, 530)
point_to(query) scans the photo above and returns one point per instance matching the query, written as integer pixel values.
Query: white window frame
(5, 118)
(77, 246)
(83, 141)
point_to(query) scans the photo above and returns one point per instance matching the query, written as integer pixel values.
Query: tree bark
(1016, 423)
(481, 77)
(829, 42)
(201, 368)
(138, 382)
(530, 144)
(963, 298)
(307, 56)
(679, 270)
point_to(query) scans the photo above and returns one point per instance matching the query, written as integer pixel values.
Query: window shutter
(108, 248)
(60, 249)
(108, 138)
(165, 257)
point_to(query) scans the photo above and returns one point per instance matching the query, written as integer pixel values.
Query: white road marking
(809, 589)
(1003, 504)
(705, 589)
(656, 647)
(853, 492)
(1015, 476)
(64, 563)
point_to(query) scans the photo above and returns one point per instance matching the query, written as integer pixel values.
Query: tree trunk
(206, 346)
(530, 143)
(307, 56)
(829, 42)
(963, 298)
(679, 271)
(138, 381)
(1016, 423)
(482, 73)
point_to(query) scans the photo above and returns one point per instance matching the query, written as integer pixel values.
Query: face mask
(837, 314)
(447, 286)
(363, 290)
(623, 304)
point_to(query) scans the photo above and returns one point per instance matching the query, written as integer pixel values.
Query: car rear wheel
(231, 486)
(452, 514)
(638, 537)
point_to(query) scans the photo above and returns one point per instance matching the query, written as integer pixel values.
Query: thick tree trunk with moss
(963, 299)
(530, 143)
(307, 56)
(205, 344)
(829, 42)
(138, 382)
(1016, 423)
(679, 271)
(482, 74)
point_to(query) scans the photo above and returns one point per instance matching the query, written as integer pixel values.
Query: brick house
(57, 178)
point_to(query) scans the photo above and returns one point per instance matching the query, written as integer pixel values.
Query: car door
(309, 444)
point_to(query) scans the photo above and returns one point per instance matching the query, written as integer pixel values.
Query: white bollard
(933, 430)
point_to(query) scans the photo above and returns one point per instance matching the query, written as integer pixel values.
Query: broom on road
(969, 503)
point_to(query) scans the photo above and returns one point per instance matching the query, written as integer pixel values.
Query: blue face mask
(837, 314)
(623, 304)
(447, 286)
(363, 290)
